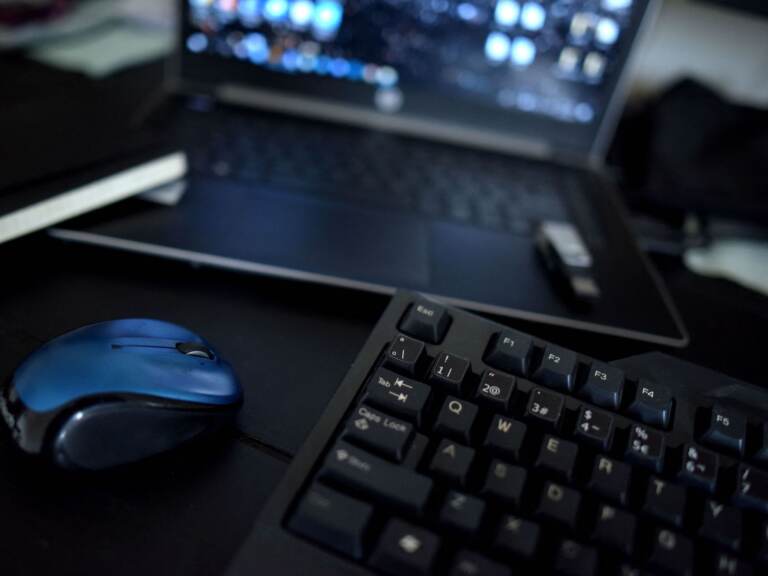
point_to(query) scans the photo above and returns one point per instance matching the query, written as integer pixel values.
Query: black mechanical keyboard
(381, 171)
(459, 446)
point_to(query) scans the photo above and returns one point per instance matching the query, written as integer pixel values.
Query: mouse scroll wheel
(194, 349)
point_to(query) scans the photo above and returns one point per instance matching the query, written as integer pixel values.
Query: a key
(448, 372)
(610, 479)
(646, 447)
(517, 537)
(604, 386)
(505, 437)
(721, 524)
(558, 456)
(615, 528)
(557, 368)
(378, 432)
(510, 351)
(405, 353)
(333, 520)
(416, 451)
(456, 419)
(468, 563)
(595, 427)
(575, 559)
(671, 553)
(559, 503)
(725, 564)
(426, 321)
(386, 482)
(665, 501)
(405, 549)
(505, 482)
(398, 395)
(700, 467)
(653, 404)
(752, 488)
(452, 461)
(727, 430)
(462, 512)
(495, 390)
(545, 407)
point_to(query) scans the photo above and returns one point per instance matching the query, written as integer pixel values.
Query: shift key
(398, 395)
(388, 483)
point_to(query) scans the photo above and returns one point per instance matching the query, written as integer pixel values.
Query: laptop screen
(536, 70)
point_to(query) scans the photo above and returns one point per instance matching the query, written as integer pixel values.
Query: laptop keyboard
(379, 170)
(459, 446)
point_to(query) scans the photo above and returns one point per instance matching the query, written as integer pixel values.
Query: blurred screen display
(553, 58)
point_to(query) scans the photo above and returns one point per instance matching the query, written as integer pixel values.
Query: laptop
(377, 144)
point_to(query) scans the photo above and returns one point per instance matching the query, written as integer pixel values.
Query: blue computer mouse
(117, 392)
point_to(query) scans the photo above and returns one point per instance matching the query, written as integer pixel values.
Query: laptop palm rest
(272, 228)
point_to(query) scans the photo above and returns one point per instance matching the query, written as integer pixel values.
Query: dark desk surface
(291, 344)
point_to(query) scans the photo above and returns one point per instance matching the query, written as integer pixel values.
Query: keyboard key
(505, 482)
(646, 447)
(505, 437)
(653, 404)
(510, 351)
(378, 432)
(721, 524)
(468, 563)
(727, 565)
(462, 513)
(615, 528)
(405, 354)
(727, 430)
(456, 419)
(752, 488)
(560, 504)
(448, 372)
(452, 461)
(596, 427)
(517, 537)
(575, 559)
(397, 394)
(672, 553)
(558, 456)
(762, 452)
(495, 390)
(700, 467)
(426, 321)
(557, 368)
(610, 479)
(665, 501)
(604, 386)
(332, 519)
(415, 454)
(386, 482)
(762, 546)
(405, 549)
(545, 407)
